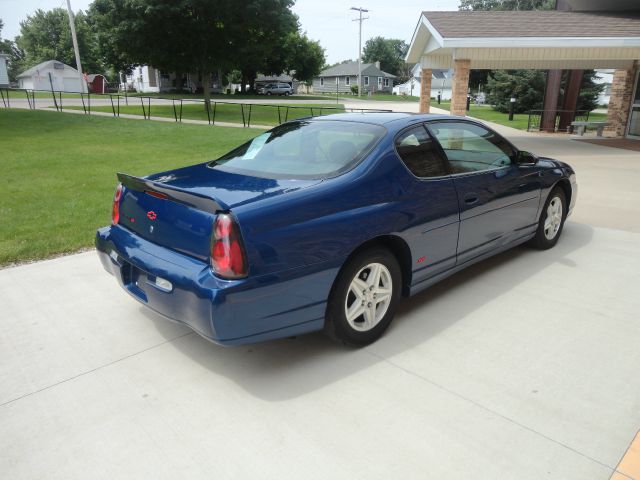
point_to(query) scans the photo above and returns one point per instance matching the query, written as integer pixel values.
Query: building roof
(44, 65)
(92, 76)
(552, 23)
(526, 39)
(351, 69)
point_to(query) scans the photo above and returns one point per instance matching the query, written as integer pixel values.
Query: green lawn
(59, 172)
(520, 120)
(260, 114)
(192, 96)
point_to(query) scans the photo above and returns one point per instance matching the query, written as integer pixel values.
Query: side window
(420, 153)
(470, 147)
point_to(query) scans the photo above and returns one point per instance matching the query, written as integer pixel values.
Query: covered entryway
(531, 40)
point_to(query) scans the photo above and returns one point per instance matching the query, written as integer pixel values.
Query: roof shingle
(550, 23)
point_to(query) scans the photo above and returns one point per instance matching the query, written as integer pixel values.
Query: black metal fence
(212, 108)
(535, 118)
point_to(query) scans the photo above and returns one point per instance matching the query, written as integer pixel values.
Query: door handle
(470, 198)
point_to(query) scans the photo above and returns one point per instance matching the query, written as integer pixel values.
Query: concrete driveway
(524, 366)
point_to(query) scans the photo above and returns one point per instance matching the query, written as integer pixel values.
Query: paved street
(524, 366)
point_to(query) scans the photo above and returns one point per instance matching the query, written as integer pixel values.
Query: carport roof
(526, 39)
(534, 24)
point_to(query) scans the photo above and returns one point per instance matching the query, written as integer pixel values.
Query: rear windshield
(303, 149)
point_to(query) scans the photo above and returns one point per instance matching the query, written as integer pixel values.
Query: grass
(260, 114)
(520, 120)
(193, 96)
(59, 172)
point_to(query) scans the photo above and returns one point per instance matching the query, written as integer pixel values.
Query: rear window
(303, 149)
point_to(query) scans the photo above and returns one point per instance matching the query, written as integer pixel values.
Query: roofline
(512, 42)
(568, 42)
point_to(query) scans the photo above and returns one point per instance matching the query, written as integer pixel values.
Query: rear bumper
(224, 311)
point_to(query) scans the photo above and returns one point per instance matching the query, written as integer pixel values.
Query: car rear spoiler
(166, 192)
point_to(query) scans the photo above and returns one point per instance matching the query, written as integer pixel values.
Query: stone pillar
(620, 101)
(460, 87)
(425, 90)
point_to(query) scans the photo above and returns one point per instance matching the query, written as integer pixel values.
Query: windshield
(303, 149)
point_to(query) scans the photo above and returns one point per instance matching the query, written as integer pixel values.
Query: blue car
(325, 223)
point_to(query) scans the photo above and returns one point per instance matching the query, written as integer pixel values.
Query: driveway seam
(100, 367)
(493, 412)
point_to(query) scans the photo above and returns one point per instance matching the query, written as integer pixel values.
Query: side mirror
(526, 158)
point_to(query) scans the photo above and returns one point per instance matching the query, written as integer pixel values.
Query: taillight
(115, 209)
(227, 253)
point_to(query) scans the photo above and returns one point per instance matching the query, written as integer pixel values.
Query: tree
(507, 4)
(261, 29)
(525, 85)
(390, 52)
(16, 56)
(589, 91)
(172, 35)
(305, 57)
(46, 35)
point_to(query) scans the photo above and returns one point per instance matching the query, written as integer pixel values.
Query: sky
(329, 21)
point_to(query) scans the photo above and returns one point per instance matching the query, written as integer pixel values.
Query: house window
(347, 80)
(379, 81)
(321, 82)
(366, 81)
(386, 82)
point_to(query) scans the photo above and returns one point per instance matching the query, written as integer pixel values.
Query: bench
(581, 127)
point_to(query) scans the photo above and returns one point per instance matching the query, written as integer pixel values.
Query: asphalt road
(524, 366)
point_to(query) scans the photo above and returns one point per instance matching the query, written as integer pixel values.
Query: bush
(354, 89)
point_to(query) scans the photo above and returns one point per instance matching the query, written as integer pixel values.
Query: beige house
(535, 40)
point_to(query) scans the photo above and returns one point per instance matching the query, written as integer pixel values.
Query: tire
(269, 94)
(551, 221)
(358, 313)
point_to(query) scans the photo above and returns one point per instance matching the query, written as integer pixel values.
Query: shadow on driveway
(285, 369)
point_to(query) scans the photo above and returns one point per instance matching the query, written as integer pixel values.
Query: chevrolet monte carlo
(325, 223)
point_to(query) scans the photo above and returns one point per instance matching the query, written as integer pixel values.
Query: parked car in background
(276, 89)
(326, 222)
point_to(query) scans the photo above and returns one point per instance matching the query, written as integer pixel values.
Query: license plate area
(132, 279)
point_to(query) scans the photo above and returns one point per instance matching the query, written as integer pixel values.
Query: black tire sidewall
(540, 240)
(336, 324)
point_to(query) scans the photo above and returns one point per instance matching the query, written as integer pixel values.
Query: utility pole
(72, 24)
(360, 20)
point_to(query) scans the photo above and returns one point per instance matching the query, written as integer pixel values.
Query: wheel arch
(398, 248)
(565, 185)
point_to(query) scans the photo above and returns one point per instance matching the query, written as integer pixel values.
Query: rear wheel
(363, 300)
(552, 220)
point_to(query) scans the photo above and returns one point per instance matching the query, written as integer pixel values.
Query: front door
(498, 199)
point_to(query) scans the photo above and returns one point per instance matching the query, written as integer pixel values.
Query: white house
(4, 77)
(148, 79)
(52, 74)
(440, 84)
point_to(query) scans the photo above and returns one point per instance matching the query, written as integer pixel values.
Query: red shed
(97, 83)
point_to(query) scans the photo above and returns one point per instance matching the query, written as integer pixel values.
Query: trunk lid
(176, 209)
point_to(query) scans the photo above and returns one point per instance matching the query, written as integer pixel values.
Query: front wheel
(363, 301)
(552, 220)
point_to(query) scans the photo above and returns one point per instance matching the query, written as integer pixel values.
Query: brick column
(460, 87)
(425, 90)
(620, 101)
